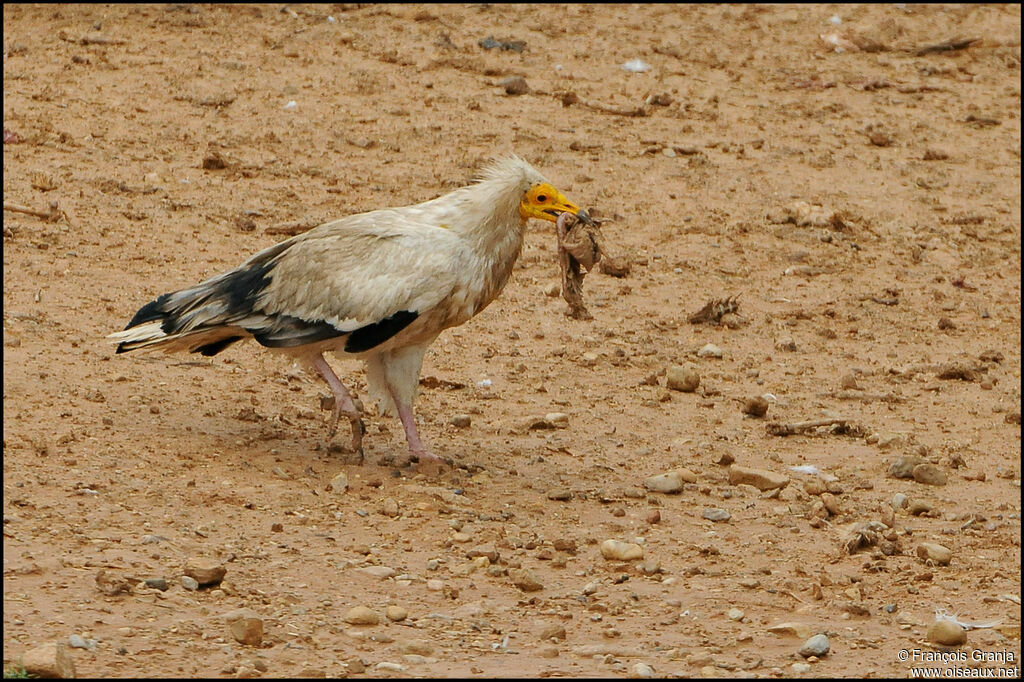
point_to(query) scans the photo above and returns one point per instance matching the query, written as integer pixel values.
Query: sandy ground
(863, 203)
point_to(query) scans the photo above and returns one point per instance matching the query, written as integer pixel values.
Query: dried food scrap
(581, 246)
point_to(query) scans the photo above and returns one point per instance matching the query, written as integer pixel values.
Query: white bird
(379, 286)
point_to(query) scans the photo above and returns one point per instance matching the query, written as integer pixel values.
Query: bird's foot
(428, 462)
(355, 420)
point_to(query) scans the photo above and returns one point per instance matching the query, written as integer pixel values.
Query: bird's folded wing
(374, 270)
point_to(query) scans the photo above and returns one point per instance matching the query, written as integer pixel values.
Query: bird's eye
(542, 198)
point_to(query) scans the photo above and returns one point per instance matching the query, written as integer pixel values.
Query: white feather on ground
(379, 286)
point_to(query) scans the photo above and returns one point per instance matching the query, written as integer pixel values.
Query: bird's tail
(206, 318)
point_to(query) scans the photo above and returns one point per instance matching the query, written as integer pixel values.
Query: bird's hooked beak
(544, 202)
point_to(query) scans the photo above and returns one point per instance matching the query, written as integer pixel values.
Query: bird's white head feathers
(512, 170)
(512, 186)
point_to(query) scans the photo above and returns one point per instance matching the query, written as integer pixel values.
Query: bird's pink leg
(416, 446)
(343, 404)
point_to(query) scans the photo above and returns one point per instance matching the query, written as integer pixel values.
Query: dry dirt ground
(862, 202)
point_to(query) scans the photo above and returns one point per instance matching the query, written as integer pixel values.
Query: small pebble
(461, 421)
(815, 646)
(396, 613)
(947, 633)
(636, 66)
(525, 580)
(709, 350)
(790, 628)
(79, 642)
(929, 474)
(157, 584)
(247, 630)
(903, 467)
(514, 85)
(735, 614)
(717, 515)
(759, 478)
(670, 482)
(918, 507)
(930, 551)
(382, 572)
(205, 571)
(361, 615)
(643, 671)
(682, 378)
(552, 632)
(755, 407)
(389, 507)
(339, 483)
(617, 550)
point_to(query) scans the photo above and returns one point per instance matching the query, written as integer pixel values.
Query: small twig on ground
(950, 45)
(53, 215)
(570, 98)
(776, 429)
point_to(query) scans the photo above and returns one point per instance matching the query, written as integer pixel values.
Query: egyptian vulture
(379, 286)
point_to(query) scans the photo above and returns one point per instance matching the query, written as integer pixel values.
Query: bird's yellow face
(544, 202)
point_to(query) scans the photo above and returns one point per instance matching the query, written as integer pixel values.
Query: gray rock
(339, 483)
(815, 646)
(642, 671)
(670, 482)
(79, 642)
(382, 572)
(717, 515)
(390, 666)
(157, 584)
(189, 583)
(939, 554)
(709, 350)
(682, 378)
(488, 550)
(903, 467)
